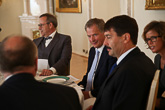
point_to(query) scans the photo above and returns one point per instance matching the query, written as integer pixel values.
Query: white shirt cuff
(81, 86)
(53, 70)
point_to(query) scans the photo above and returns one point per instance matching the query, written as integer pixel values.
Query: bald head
(16, 52)
(14, 43)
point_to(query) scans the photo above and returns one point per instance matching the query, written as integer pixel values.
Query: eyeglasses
(40, 25)
(152, 39)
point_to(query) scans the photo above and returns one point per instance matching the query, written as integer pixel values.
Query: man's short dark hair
(50, 18)
(123, 24)
(12, 59)
(95, 21)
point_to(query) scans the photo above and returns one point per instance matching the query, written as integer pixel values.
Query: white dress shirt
(124, 55)
(46, 44)
(100, 52)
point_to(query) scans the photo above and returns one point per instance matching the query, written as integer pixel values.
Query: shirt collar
(52, 34)
(8, 77)
(124, 55)
(100, 49)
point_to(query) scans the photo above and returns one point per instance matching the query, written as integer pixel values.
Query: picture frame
(35, 33)
(0, 2)
(155, 4)
(68, 6)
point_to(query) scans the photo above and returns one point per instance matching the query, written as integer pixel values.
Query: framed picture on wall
(155, 4)
(36, 33)
(0, 2)
(68, 6)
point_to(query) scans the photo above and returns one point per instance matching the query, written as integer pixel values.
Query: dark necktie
(46, 38)
(112, 68)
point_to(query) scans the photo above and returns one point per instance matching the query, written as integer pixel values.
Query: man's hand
(46, 72)
(90, 107)
(86, 94)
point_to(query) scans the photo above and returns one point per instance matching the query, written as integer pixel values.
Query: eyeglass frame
(152, 39)
(40, 25)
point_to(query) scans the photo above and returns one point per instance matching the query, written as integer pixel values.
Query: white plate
(56, 80)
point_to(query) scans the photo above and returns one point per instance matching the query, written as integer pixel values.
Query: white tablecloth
(88, 102)
(70, 83)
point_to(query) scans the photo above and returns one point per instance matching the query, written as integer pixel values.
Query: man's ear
(126, 37)
(51, 25)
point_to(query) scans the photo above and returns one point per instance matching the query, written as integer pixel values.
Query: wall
(73, 24)
(75, 28)
(143, 17)
(10, 10)
(106, 9)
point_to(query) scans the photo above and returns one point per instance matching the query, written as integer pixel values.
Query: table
(70, 83)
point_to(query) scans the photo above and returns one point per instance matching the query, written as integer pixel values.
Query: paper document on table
(42, 64)
(72, 78)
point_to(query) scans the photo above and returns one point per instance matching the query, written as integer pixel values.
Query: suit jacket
(23, 92)
(161, 89)
(127, 88)
(102, 70)
(59, 52)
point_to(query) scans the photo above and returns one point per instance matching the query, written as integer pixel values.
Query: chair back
(153, 92)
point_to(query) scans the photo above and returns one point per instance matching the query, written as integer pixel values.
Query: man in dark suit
(53, 46)
(95, 32)
(128, 85)
(21, 91)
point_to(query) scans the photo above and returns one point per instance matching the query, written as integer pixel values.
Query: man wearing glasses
(53, 46)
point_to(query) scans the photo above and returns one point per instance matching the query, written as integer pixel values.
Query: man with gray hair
(99, 62)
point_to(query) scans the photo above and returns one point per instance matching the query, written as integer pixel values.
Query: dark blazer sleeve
(63, 51)
(157, 61)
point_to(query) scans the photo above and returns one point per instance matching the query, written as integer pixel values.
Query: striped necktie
(92, 71)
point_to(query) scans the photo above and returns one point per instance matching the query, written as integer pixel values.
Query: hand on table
(90, 107)
(86, 94)
(46, 72)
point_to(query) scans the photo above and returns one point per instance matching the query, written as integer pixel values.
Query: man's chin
(110, 54)
(96, 46)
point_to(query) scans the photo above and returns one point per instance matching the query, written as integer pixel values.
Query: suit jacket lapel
(39, 41)
(52, 43)
(91, 58)
(102, 59)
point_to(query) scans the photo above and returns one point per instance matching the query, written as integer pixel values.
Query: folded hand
(46, 72)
